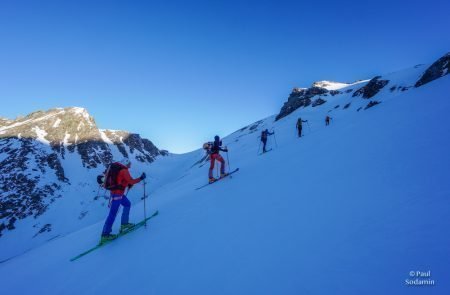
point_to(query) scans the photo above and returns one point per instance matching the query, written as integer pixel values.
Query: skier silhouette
(264, 135)
(299, 126)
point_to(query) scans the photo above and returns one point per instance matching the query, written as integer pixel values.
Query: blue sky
(178, 73)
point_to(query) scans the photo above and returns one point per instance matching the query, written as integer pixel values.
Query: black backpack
(109, 179)
(264, 135)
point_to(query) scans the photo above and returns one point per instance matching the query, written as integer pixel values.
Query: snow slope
(48, 161)
(348, 209)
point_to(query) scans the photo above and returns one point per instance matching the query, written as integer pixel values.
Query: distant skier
(327, 120)
(117, 178)
(213, 148)
(264, 135)
(299, 126)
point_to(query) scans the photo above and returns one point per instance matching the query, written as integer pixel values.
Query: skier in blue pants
(116, 201)
(120, 180)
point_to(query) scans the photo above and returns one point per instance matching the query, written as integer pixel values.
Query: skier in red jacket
(121, 180)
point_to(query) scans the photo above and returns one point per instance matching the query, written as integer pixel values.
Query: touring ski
(235, 170)
(136, 226)
(265, 152)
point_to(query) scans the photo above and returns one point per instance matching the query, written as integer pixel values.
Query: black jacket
(216, 147)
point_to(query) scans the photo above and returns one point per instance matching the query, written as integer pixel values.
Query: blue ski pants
(116, 201)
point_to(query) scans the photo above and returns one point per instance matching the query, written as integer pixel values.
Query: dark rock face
(94, 153)
(116, 138)
(371, 104)
(254, 127)
(437, 70)
(33, 149)
(318, 102)
(299, 97)
(146, 147)
(121, 139)
(22, 194)
(46, 228)
(372, 88)
(404, 88)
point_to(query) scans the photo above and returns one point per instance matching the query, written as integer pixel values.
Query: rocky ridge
(34, 151)
(366, 89)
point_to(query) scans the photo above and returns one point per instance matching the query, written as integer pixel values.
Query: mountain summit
(46, 154)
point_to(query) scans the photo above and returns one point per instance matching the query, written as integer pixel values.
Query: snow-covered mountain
(372, 91)
(350, 208)
(49, 157)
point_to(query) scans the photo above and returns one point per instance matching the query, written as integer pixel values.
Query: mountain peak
(330, 85)
(77, 110)
(58, 123)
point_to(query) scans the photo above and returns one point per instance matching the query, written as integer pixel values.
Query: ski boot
(212, 179)
(222, 175)
(107, 238)
(127, 226)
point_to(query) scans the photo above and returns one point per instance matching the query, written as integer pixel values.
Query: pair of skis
(228, 175)
(135, 227)
(265, 152)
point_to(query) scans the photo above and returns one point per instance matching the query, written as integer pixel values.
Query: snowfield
(351, 208)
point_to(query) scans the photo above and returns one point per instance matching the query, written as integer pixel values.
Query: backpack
(263, 135)
(110, 177)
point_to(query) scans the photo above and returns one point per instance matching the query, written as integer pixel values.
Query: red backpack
(110, 177)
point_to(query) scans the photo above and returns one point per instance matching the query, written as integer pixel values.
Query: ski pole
(308, 126)
(257, 153)
(275, 137)
(128, 191)
(96, 196)
(145, 211)
(228, 161)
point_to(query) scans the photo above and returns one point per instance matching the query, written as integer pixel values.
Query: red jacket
(124, 179)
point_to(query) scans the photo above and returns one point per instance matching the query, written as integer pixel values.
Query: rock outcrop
(371, 88)
(299, 97)
(437, 70)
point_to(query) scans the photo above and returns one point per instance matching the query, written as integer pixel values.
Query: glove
(130, 186)
(101, 179)
(143, 176)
